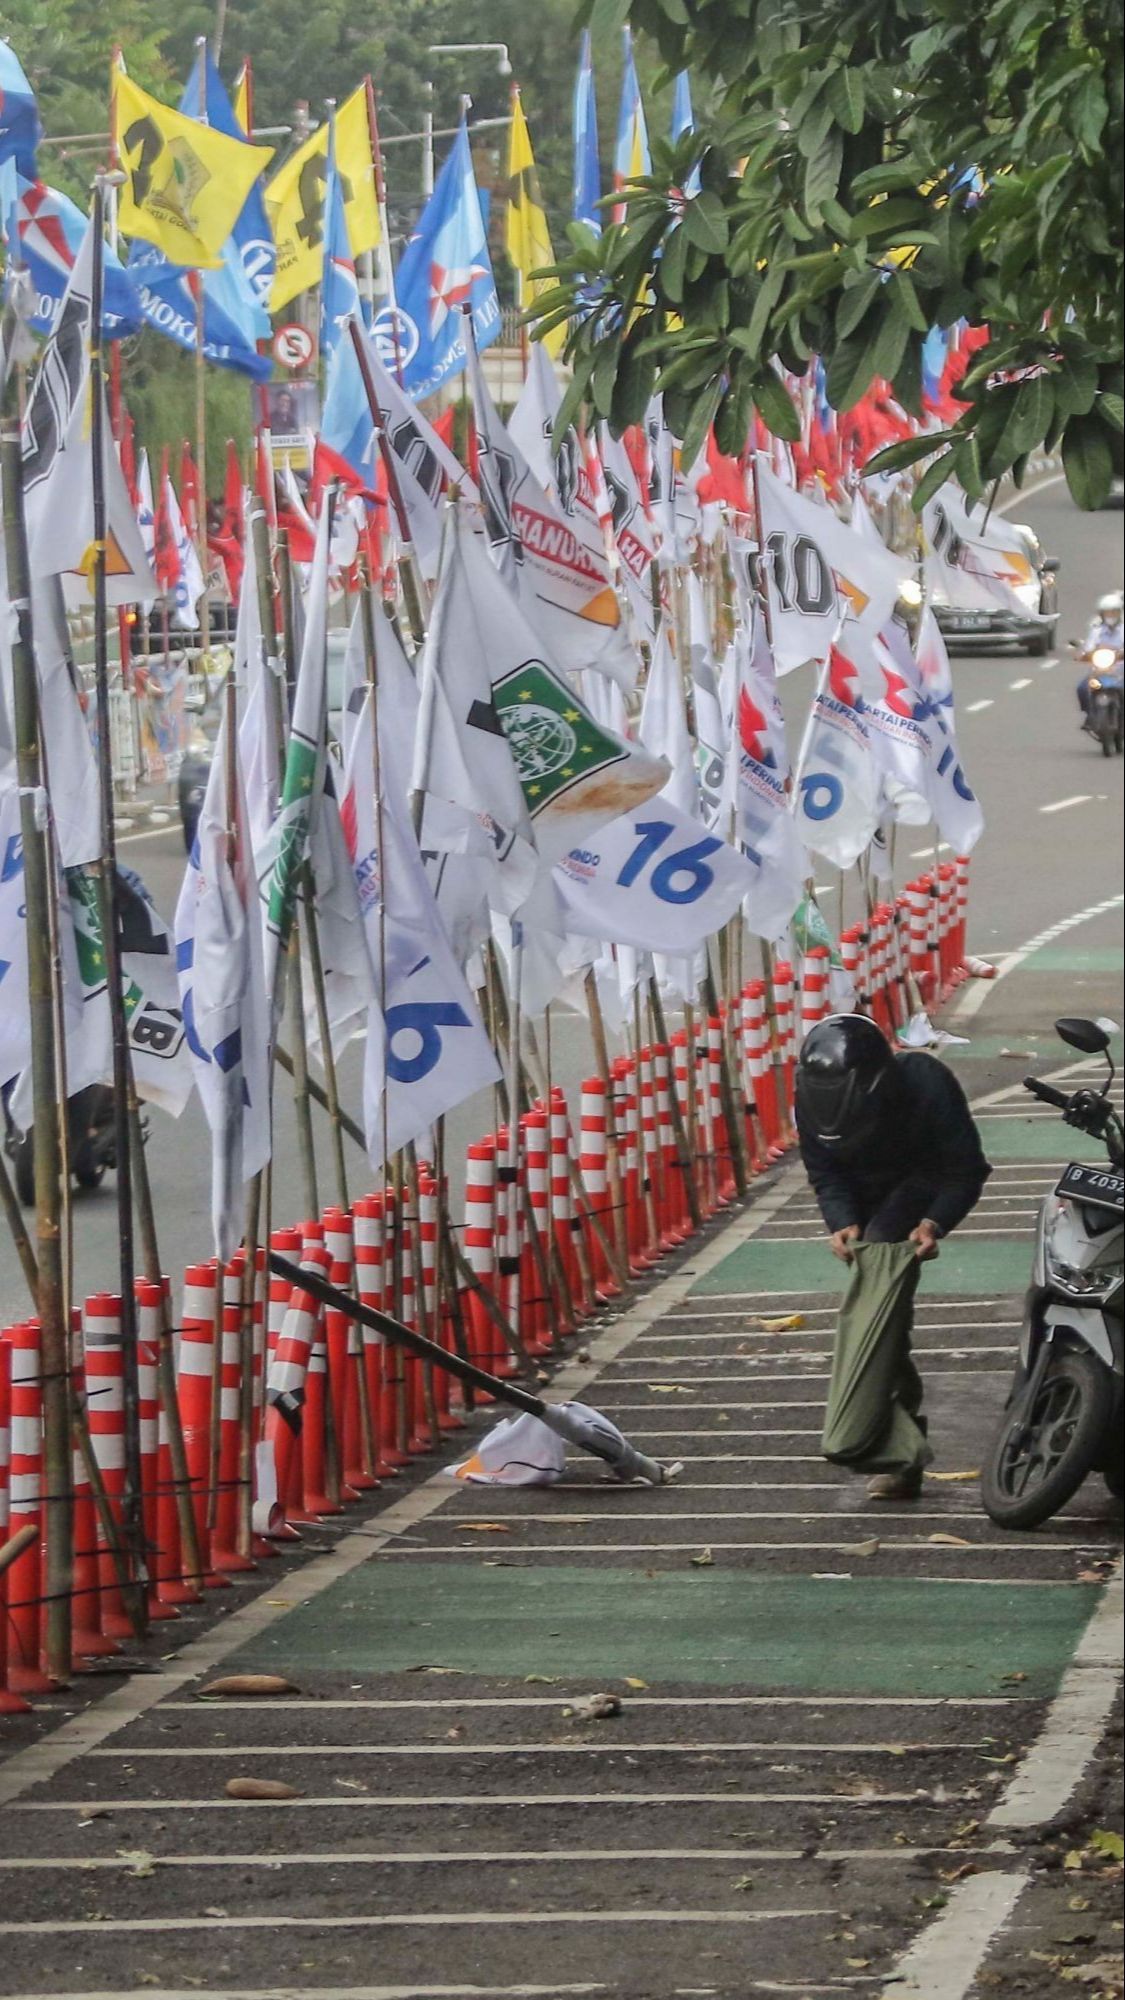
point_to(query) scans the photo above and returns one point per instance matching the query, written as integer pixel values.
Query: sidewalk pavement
(816, 1744)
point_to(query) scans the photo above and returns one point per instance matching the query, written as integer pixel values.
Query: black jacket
(926, 1133)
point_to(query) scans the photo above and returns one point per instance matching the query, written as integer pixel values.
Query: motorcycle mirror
(1089, 1036)
(1051, 565)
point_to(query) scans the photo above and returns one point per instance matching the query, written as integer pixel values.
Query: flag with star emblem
(976, 559)
(305, 755)
(552, 774)
(445, 268)
(766, 827)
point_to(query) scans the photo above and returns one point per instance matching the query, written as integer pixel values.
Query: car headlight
(1029, 594)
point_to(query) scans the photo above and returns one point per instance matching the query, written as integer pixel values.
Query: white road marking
(599, 1749)
(441, 1802)
(1026, 493)
(508, 1857)
(887, 1543)
(1046, 665)
(442, 1701)
(436, 1920)
(1015, 686)
(979, 989)
(1076, 1722)
(943, 1961)
(148, 833)
(1062, 805)
(974, 708)
(585, 1990)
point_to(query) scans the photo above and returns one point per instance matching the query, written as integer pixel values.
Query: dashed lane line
(436, 1920)
(945, 1958)
(455, 1750)
(1062, 805)
(974, 708)
(973, 1000)
(1014, 687)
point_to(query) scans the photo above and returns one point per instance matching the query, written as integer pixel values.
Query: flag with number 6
(653, 880)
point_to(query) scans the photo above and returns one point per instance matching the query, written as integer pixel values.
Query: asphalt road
(1052, 846)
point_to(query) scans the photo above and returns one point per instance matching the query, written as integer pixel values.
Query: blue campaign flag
(683, 117)
(587, 167)
(231, 322)
(347, 433)
(934, 350)
(445, 267)
(20, 130)
(50, 229)
(631, 156)
(251, 234)
(339, 293)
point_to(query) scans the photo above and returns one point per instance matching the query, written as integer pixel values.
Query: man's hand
(842, 1240)
(925, 1240)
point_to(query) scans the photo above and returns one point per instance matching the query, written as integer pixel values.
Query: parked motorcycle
(1105, 711)
(90, 1141)
(1063, 1418)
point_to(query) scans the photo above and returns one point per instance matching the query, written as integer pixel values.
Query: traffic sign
(293, 346)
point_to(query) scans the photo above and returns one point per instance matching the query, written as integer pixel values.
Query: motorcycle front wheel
(1039, 1457)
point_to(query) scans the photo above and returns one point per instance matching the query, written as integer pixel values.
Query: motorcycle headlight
(1103, 658)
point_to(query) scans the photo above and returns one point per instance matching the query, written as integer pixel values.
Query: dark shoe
(896, 1485)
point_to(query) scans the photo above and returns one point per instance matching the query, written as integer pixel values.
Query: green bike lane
(816, 1701)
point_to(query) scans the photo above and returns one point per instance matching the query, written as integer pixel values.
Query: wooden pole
(58, 1496)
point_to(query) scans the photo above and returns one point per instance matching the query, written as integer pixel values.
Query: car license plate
(968, 621)
(1099, 1186)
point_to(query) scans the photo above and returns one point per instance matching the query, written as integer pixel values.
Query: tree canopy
(869, 169)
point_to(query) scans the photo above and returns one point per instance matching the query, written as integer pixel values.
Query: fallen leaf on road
(857, 1964)
(744, 1882)
(789, 1324)
(951, 1477)
(247, 1684)
(425, 1667)
(1013, 1679)
(868, 1548)
(482, 1528)
(631, 1681)
(1100, 1971)
(959, 1874)
(704, 1560)
(950, 1541)
(540, 1680)
(669, 1389)
(140, 1862)
(596, 1708)
(1078, 1902)
(1109, 1844)
(1072, 1861)
(261, 1788)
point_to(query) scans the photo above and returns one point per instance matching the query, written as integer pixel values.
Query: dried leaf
(858, 1964)
(482, 1528)
(631, 1681)
(1072, 1861)
(704, 1560)
(261, 1788)
(868, 1548)
(952, 1478)
(426, 1667)
(247, 1684)
(950, 1541)
(669, 1389)
(596, 1708)
(744, 1882)
(1109, 1844)
(789, 1324)
(140, 1862)
(1013, 1679)
(1078, 1902)
(540, 1680)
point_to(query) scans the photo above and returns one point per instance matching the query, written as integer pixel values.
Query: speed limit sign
(293, 347)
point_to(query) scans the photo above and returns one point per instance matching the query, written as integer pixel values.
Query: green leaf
(772, 287)
(936, 476)
(1087, 460)
(573, 398)
(671, 272)
(1111, 408)
(608, 17)
(854, 301)
(907, 451)
(903, 286)
(706, 223)
(699, 424)
(776, 407)
(1026, 424)
(633, 388)
(822, 174)
(1076, 384)
(603, 376)
(846, 96)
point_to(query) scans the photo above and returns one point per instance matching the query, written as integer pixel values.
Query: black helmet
(843, 1081)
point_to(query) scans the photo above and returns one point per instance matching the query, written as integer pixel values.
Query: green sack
(866, 1426)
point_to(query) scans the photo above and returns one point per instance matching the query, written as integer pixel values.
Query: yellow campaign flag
(527, 239)
(240, 103)
(185, 184)
(295, 200)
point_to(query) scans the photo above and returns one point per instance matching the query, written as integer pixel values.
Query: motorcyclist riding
(1106, 628)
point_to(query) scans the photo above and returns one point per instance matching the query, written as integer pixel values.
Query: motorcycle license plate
(1099, 1186)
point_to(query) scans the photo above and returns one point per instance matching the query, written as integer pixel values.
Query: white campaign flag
(349, 986)
(146, 509)
(818, 571)
(838, 807)
(189, 579)
(396, 696)
(58, 463)
(663, 726)
(261, 703)
(223, 994)
(977, 560)
(653, 880)
(426, 1048)
(953, 802)
(504, 738)
(555, 562)
(70, 767)
(895, 712)
(766, 827)
(712, 724)
(634, 534)
(15, 1015)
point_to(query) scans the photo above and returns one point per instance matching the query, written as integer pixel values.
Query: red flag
(166, 557)
(226, 540)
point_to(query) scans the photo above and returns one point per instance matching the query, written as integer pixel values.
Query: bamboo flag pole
(108, 884)
(58, 1497)
(411, 589)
